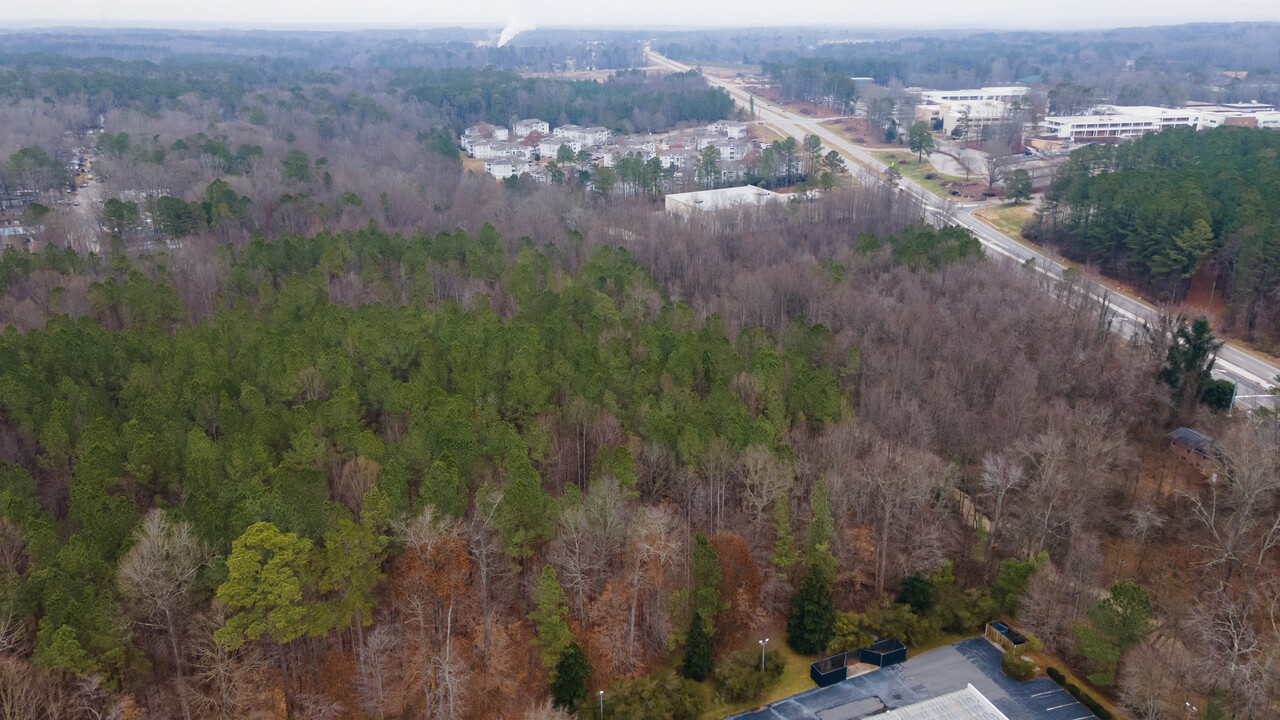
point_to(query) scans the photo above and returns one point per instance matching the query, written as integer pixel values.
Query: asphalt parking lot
(937, 672)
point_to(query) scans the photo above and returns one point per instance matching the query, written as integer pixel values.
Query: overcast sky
(601, 13)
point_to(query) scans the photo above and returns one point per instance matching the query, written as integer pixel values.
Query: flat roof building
(990, 94)
(976, 113)
(1122, 122)
(1133, 121)
(733, 198)
(966, 704)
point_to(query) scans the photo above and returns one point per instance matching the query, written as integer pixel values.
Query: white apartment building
(680, 158)
(731, 130)
(587, 136)
(548, 147)
(568, 131)
(482, 149)
(524, 128)
(503, 168)
(611, 154)
(702, 142)
(596, 135)
(516, 150)
(731, 151)
(483, 131)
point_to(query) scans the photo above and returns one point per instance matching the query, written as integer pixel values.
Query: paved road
(928, 675)
(1253, 376)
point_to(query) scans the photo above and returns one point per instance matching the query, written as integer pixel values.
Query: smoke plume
(514, 27)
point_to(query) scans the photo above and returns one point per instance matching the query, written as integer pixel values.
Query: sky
(651, 13)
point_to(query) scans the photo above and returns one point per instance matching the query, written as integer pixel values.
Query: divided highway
(1253, 376)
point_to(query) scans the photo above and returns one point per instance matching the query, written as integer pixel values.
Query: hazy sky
(599, 13)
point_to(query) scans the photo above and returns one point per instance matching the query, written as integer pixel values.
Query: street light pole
(762, 644)
(1190, 709)
(601, 694)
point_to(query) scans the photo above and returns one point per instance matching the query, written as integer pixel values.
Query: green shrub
(1085, 698)
(662, 696)
(739, 676)
(1095, 707)
(1017, 667)
(851, 632)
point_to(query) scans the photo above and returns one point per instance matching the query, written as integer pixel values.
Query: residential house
(1197, 449)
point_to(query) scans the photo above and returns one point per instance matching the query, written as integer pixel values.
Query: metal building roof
(966, 704)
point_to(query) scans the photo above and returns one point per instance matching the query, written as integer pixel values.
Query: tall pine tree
(704, 603)
(813, 612)
(697, 650)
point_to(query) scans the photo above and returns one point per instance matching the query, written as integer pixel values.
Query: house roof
(1192, 440)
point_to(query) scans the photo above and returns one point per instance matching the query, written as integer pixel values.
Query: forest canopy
(1159, 209)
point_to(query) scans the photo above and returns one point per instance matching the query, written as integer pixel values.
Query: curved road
(1253, 376)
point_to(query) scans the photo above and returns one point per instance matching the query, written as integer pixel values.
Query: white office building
(986, 94)
(1122, 122)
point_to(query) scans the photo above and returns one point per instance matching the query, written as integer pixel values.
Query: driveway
(937, 672)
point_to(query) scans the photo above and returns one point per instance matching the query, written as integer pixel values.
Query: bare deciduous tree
(764, 478)
(1001, 475)
(1238, 515)
(157, 577)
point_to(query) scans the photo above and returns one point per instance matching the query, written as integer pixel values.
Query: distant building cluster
(529, 144)
(975, 108)
(1134, 120)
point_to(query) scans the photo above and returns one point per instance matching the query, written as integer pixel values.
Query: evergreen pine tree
(548, 616)
(697, 650)
(570, 682)
(813, 612)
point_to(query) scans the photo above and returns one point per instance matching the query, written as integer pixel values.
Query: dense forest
(1156, 210)
(629, 101)
(371, 475)
(349, 431)
(437, 49)
(823, 80)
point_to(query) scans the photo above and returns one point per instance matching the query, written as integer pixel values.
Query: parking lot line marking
(1056, 707)
(1048, 692)
(1086, 717)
